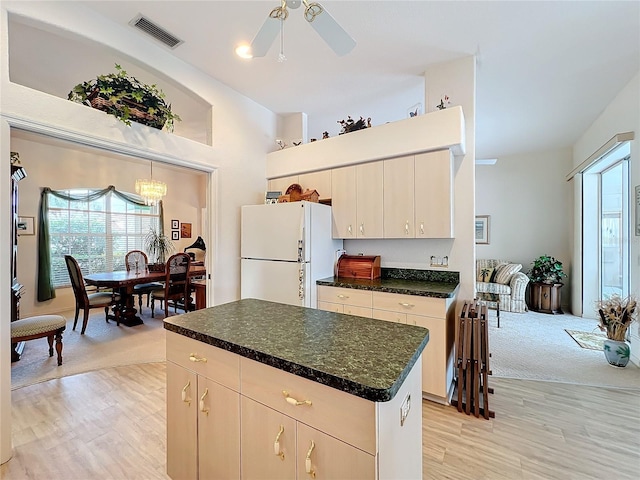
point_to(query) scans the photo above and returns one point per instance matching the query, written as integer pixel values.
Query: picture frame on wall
(26, 226)
(175, 224)
(175, 234)
(482, 229)
(185, 230)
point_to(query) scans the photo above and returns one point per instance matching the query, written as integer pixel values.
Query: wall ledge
(439, 130)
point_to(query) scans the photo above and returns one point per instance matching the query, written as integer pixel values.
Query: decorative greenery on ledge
(127, 99)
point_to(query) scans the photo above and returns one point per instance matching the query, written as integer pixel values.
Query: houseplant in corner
(126, 98)
(616, 315)
(158, 246)
(546, 274)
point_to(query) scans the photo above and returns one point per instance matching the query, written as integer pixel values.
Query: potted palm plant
(126, 98)
(616, 315)
(158, 246)
(546, 276)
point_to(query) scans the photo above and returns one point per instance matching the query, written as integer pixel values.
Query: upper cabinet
(399, 197)
(433, 197)
(356, 201)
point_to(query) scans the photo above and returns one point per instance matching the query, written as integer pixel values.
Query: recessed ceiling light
(244, 51)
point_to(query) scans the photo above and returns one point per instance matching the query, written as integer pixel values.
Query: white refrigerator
(285, 248)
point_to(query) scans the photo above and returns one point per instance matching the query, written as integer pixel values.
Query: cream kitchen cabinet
(357, 201)
(320, 181)
(277, 446)
(399, 217)
(345, 300)
(203, 410)
(418, 196)
(282, 183)
(433, 197)
(436, 314)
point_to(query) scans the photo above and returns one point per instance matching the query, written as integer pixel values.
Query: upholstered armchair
(500, 280)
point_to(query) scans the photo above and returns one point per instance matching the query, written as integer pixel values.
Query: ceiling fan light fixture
(244, 51)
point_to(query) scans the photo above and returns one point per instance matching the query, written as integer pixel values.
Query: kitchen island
(414, 297)
(258, 389)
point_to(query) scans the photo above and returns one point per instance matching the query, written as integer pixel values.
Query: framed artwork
(482, 229)
(175, 225)
(175, 234)
(185, 230)
(26, 226)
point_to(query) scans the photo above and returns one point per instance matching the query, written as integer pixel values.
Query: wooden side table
(545, 298)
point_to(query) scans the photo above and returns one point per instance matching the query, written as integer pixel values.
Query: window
(98, 233)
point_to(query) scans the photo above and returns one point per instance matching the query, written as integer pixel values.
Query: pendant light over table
(151, 190)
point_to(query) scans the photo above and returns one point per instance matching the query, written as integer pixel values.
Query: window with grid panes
(98, 233)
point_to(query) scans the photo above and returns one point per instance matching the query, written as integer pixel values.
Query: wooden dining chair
(176, 285)
(87, 301)
(137, 260)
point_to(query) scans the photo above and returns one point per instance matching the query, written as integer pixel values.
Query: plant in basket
(615, 316)
(127, 99)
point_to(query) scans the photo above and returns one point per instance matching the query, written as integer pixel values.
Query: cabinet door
(343, 202)
(323, 457)
(281, 184)
(389, 316)
(369, 186)
(434, 195)
(320, 181)
(330, 307)
(399, 198)
(182, 416)
(263, 431)
(218, 430)
(434, 356)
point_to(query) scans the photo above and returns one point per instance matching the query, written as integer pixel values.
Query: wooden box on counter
(358, 266)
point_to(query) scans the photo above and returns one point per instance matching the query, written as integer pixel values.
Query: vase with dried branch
(616, 315)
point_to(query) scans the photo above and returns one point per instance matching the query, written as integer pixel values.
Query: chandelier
(151, 190)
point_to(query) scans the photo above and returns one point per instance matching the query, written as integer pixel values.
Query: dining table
(123, 281)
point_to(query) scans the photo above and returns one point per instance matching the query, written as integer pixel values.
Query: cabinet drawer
(345, 296)
(417, 305)
(337, 413)
(357, 311)
(390, 316)
(331, 307)
(206, 360)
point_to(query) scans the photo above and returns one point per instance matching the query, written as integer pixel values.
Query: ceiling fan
(314, 13)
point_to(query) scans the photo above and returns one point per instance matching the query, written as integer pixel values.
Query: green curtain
(45, 284)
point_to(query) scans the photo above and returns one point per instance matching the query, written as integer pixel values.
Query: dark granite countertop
(362, 356)
(423, 285)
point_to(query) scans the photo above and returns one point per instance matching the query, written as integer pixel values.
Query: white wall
(622, 115)
(530, 205)
(243, 132)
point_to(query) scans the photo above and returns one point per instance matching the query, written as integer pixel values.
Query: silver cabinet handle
(406, 305)
(422, 229)
(362, 229)
(349, 230)
(406, 228)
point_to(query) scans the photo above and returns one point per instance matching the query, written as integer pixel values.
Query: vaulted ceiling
(545, 70)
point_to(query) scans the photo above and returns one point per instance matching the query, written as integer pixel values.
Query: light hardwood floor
(110, 424)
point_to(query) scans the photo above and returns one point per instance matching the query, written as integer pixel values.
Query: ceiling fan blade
(332, 33)
(265, 37)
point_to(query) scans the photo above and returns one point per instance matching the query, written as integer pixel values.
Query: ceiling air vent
(155, 31)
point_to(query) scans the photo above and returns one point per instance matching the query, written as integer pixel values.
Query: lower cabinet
(436, 314)
(203, 418)
(281, 446)
(230, 417)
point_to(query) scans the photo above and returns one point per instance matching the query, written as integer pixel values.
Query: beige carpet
(535, 346)
(102, 345)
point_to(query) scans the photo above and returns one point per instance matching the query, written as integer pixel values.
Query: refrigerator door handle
(301, 282)
(300, 250)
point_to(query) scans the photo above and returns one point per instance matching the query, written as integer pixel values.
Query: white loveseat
(500, 280)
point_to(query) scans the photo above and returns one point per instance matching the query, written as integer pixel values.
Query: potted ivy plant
(546, 276)
(158, 246)
(616, 315)
(126, 98)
